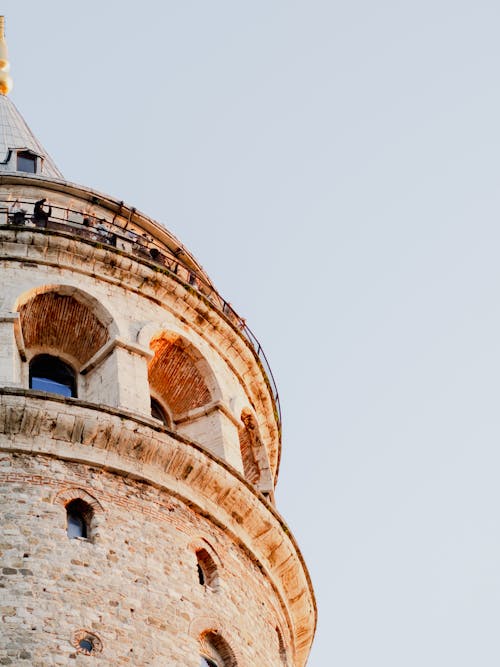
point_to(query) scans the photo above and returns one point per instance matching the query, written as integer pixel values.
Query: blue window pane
(26, 163)
(44, 384)
(76, 526)
(51, 374)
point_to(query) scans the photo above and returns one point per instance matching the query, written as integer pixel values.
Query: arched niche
(179, 375)
(64, 321)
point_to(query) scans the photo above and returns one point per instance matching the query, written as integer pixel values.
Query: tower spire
(5, 79)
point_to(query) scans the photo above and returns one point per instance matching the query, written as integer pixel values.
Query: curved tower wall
(116, 297)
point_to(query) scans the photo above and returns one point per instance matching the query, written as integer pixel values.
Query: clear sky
(335, 168)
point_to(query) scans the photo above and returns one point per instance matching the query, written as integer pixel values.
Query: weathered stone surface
(134, 584)
(152, 492)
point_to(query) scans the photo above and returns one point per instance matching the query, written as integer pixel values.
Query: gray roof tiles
(15, 134)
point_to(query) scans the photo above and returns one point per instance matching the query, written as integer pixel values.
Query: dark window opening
(86, 645)
(26, 162)
(207, 569)
(78, 515)
(215, 646)
(48, 373)
(158, 412)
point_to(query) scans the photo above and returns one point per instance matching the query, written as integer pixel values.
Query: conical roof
(15, 137)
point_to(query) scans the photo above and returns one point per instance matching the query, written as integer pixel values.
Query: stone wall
(133, 584)
(185, 553)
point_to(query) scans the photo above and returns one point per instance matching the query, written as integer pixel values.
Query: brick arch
(209, 561)
(214, 646)
(210, 633)
(179, 374)
(202, 543)
(66, 495)
(90, 508)
(63, 320)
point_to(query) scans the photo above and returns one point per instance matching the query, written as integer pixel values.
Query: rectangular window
(26, 162)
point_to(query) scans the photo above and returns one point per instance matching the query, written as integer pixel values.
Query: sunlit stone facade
(139, 444)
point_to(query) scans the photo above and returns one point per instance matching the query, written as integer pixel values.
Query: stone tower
(139, 443)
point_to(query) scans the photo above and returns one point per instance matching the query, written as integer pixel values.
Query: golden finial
(5, 80)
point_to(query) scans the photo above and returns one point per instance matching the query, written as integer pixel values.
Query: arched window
(158, 412)
(49, 373)
(215, 651)
(78, 517)
(207, 569)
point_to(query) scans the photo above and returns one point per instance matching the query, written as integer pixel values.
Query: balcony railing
(127, 237)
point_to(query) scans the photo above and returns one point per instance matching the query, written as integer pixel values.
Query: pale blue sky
(335, 167)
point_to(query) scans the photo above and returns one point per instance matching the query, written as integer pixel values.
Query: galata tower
(139, 442)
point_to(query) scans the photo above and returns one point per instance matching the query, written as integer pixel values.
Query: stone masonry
(166, 452)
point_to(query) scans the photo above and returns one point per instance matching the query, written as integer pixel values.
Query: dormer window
(26, 161)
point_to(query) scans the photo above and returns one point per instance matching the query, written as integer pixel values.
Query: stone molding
(205, 410)
(108, 348)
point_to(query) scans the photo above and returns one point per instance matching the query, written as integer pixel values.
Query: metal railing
(128, 237)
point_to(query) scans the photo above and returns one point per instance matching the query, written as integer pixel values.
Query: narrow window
(26, 162)
(215, 646)
(78, 515)
(207, 569)
(157, 412)
(51, 374)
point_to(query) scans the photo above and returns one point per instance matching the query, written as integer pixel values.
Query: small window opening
(157, 412)
(26, 162)
(78, 515)
(207, 569)
(51, 374)
(86, 645)
(215, 651)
